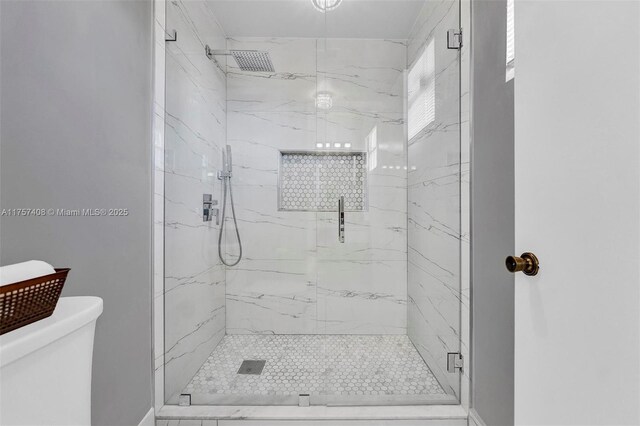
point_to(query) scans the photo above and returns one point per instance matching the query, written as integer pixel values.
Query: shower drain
(251, 366)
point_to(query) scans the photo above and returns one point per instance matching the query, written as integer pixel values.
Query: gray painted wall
(76, 133)
(492, 180)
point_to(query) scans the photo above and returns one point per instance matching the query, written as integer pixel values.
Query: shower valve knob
(207, 208)
(527, 263)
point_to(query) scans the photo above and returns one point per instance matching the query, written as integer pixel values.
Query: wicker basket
(31, 300)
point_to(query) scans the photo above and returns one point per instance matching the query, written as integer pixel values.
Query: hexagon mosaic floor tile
(345, 365)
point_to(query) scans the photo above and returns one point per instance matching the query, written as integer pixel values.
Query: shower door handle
(341, 219)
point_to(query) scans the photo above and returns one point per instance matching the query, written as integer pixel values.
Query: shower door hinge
(454, 362)
(184, 400)
(171, 36)
(454, 39)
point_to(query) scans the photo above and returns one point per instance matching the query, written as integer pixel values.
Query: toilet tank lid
(71, 313)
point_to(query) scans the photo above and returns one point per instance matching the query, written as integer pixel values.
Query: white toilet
(45, 367)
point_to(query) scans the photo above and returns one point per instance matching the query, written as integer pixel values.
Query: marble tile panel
(377, 234)
(435, 186)
(291, 88)
(357, 128)
(192, 328)
(362, 75)
(266, 232)
(272, 297)
(194, 134)
(362, 297)
(268, 113)
(433, 20)
(196, 25)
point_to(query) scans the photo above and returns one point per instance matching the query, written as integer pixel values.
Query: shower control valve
(208, 211)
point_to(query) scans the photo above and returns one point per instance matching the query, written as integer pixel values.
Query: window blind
(511, 41)
(421, 91)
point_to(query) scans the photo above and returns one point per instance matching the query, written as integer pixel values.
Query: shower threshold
(443, 415)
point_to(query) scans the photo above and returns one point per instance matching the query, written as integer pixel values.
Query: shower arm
(211, 52)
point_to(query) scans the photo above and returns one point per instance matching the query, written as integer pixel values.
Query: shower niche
(315, 181)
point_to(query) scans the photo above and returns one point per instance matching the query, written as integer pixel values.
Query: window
(421, 91)
(511, 41)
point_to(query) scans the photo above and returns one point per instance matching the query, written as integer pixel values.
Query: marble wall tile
(291, 88)
(362, 297)
(195, 323)
(268, 112)
(272, 297)
(434, 192)
(266, 232)
(434, 19)
(374, 235)
(433, 310)
(194, 134)
(257, 138)
(354, 127)
(196, 25)
(363, 75)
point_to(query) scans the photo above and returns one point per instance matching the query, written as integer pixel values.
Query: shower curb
(222, 412)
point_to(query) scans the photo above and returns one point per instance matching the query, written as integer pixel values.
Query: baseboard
(149, 419)
(475, 419)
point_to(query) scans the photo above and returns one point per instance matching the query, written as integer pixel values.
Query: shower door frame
(436, 411)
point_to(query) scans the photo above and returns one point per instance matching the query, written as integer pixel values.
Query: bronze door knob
(527, 263)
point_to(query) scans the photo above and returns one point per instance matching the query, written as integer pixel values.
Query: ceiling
(386, 19)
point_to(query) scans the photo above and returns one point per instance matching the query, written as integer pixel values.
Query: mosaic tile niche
(314, 181)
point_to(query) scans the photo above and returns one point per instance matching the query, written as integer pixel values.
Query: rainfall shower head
(253, 60)
(247, 60)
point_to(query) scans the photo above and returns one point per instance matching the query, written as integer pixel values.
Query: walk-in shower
(349, 178)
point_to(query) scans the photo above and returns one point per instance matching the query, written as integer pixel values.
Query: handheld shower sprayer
(229, 160)
(225, 176)
(226, 164)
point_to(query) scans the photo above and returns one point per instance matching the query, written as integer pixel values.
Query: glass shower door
(353, 110)
(194, 277)
(389, 294)
(434, 182)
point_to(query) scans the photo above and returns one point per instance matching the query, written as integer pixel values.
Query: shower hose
(227, 182)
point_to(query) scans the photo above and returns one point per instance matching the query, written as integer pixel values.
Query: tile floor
(347, 367)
